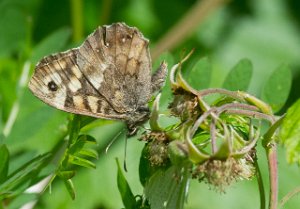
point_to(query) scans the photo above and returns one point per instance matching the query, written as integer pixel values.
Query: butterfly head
(138, 117)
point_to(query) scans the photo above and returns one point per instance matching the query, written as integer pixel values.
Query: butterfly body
(108, 76)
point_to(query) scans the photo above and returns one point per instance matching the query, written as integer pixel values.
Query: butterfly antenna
(113, 140)
(125, 155)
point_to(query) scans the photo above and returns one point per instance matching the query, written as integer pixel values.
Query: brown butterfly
(108, 76)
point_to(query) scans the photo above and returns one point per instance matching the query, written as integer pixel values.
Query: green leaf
(13, 24)
(24, 177)
(167, 189)
(9, 73)
(89, 153)
(74, 128)
(90, 139)
(272, 132)
(66, 174)
(70, 187)
(200, 75)
(290, 133)
(4, 159)
(51, 44)
(81, 161)
(145, 168)
(77, 146)
(20, 200)
(124, 189)
(276, 90)
(239, 77)
(86, 120)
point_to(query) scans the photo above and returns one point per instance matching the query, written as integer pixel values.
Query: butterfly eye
(52, 86)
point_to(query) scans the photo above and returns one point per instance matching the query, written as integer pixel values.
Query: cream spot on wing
(59, 66)
(76, 71)
(96, 78)
(62, 64)
(78, 102)
(53, 77)
(93, 103)
(74, 85)
(59, 98)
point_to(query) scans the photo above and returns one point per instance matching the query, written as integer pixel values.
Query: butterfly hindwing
(117, 62)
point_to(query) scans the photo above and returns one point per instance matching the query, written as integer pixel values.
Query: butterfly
(108, 76)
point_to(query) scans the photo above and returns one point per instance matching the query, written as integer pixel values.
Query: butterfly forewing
(108, 76)
(59, 82)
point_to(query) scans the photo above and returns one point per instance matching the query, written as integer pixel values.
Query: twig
(186, 25)
(288, 196)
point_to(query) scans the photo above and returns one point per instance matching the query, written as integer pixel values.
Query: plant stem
(260, 183)
(77, 20)
(273, 175)
(232, 94)
(252, 114)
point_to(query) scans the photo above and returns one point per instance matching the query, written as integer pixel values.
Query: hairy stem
(231, 94)
(273, 176)
(252, 114)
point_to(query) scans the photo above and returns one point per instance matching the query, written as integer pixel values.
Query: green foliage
(55, 42)
(4, 159)
(171, 186)
(290, 133)
(239, 77)
(277, 88)
(14, 26)
(8, 78)
(145, 168)
(200, 74)
(19, 180)
(124, 189)
(41, 142)
(70, 187)
(76, 153)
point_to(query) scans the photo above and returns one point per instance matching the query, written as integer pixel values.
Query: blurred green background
(265, 31)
